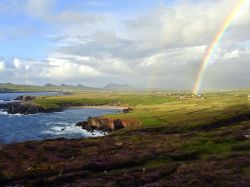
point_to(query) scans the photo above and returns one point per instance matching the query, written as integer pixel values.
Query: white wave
(8, 101)
(4, 102)
(69, 129)
(58, 112)
(58, 128)
(15, 115)
(11, 115)
(34, 114)
(3, 112)
(48, 132)
(57, 123)
(18, 114)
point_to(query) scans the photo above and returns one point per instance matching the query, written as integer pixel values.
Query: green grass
(205, 147)
(182, 138)
(153, 108)
(105, 98)
(55, 102)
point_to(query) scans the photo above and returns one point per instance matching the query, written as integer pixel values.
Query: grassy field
(114, 98)
(184, 140)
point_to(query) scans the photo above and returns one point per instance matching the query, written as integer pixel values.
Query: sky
(144, 43)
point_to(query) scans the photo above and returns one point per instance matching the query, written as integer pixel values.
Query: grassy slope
(183, 141)
(105, 98)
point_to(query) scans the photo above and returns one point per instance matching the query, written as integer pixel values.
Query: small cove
(41, 126)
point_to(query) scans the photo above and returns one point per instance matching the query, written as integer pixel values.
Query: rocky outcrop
(25, 98)
(107, 124)
(27, 108)
(5, 90)
(127, 110)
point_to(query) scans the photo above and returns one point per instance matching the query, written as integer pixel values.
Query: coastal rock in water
(24, 108)
(107, 124)
(25, 98)
(27, 108)
(127, 110)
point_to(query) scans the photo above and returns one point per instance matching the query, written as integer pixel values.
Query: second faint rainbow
(213, 46)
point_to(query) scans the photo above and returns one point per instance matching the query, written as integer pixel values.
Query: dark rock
(127, 110)
(27, 108)
(5, 90)
(25, 98)
(19, 98)
(3, 106)
(107, 124)
(24, 108)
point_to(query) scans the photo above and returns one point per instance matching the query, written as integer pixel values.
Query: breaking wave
(3, 112)
(68, 129)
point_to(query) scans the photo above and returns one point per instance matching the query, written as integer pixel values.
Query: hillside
(183, 141)
(46, 88)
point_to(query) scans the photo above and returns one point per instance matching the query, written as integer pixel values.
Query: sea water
(41, 126)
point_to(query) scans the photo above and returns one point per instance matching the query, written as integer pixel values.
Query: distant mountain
(49, 85)
(113, 86)
(82, 86)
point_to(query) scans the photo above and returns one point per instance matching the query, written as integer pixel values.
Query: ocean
(41, 126)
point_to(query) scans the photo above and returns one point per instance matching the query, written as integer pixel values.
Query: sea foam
(3, 112)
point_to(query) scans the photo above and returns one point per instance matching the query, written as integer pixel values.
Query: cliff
(107, 124)
(27, 108)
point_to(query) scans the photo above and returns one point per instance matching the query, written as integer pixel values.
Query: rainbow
(213, 46)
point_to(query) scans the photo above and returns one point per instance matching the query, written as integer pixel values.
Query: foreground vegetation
(184, 140)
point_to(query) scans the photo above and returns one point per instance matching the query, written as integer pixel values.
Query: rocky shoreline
(23, 105)
(26, 108)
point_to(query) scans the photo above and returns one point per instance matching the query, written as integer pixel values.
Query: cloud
(159, 48)
(70, 17)
(17, 63)
(106, 65)
(229, 72)
(44, 10)
(38, 8)
(47, 12)
(185, 24)
(61, 69)
(232, 54)
(2, 66)
(176, 56)
(107, 44)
